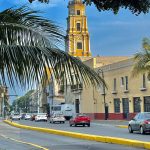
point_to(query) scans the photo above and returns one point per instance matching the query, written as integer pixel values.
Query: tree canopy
(135, 6)
(22, 102)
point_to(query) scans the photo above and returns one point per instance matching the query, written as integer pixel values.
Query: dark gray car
(141, 122)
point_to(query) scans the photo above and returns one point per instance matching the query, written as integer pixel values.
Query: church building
(77, 39)
(124, 97)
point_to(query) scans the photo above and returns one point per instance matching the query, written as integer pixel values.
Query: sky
(110, 35)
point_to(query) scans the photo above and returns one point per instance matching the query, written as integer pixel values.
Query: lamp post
(101, 73)
(52, 94)
(2, 112)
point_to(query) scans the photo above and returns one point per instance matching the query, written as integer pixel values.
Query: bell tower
(77, 39)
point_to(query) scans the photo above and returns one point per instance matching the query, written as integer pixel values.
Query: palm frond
(28, 47)
(24, 24)
(28, 64)
(142, 61)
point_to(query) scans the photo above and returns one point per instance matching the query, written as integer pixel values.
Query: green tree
(142, 59)
(135, 6)
(29, 49)
(23, 102)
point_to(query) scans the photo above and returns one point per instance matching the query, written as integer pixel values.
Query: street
(96, 129)
(13, 138)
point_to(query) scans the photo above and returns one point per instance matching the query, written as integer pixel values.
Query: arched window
(79, 45)
(78, 12)
(78, 26)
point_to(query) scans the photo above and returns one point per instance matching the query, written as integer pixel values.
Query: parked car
(23, 116)
(16, 117)
(57, 118)
(141, 122)
(33, 117)
(27, 116)
(80, 119)
(41, 117)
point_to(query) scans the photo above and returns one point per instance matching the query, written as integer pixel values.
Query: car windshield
(147, 115)
(56, 108)
(81, 115)
(16, 114)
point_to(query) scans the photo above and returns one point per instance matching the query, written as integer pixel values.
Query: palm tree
(29, 47)
(142, 59)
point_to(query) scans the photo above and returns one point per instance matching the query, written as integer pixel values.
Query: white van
(67, 110)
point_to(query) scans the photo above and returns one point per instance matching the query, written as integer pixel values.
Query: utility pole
(38, 92)
(3, 105)
(100, 71)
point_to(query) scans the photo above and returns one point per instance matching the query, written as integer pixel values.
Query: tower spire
(77, 1)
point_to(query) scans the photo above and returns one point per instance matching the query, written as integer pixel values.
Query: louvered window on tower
(79, 45)
(78, 12)
(78, 27)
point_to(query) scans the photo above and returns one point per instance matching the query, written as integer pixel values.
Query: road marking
(105, 125)
(27, 143)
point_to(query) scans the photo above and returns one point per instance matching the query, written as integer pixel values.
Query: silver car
(141, 122)
(57, 118)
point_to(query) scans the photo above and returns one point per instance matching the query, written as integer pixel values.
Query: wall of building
(3, 97)
(135, 89)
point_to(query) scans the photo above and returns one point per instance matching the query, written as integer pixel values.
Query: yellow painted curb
(104, 139)
(121, 126)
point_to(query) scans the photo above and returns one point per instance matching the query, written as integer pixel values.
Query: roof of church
(100, 61)
(105, 60)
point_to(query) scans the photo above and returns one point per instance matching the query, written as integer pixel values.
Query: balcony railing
(76, 87)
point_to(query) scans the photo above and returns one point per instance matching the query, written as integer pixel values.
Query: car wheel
(142, 130)
(75, 125)
(63, 122)
(70, 125)
(130, 129)
(89, 125)
(83, 125)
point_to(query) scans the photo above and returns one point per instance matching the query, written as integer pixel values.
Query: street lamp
(51, 95)
(101, 73)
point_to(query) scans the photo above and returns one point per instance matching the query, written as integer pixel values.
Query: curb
(104, 139)
(121, 126)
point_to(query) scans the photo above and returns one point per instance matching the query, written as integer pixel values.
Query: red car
(80, 119)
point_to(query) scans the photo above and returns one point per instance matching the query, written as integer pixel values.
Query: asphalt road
(96, 129)
(12, 138)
